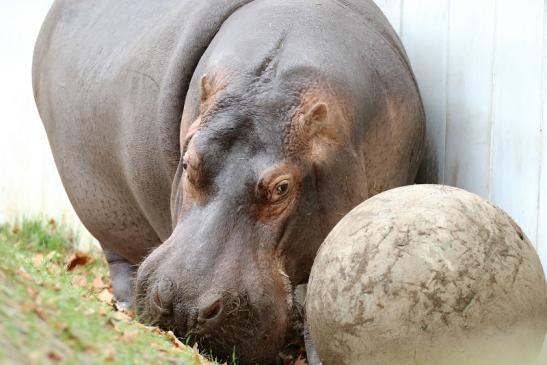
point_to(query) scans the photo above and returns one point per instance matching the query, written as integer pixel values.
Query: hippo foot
(122, 275)
(123, 306)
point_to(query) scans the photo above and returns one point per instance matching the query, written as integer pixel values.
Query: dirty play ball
(428, 275)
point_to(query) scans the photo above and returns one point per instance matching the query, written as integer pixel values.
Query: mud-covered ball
(429, 275)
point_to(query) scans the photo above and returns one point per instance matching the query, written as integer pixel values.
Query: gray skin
(214, 144)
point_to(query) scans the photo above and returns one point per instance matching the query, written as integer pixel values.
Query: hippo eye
(185, 162)
(280, 190)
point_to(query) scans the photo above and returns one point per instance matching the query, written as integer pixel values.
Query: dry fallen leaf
(98, 283)
(152, 329)
(53, 269)
(16, 229)
(53, 286)
(197, 356)
(129, 336)
(53, 356)
(79, 281)
(77, 259)
(37, 260)
(32, 292)
(50, 255)
(174, 340)
(32, 307)
(41, 313)
(110, 353)
(23, 274)
(106, 296)
(122, 316)
(158, 347)
(61, 326)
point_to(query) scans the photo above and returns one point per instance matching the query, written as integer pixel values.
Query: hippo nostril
(157, 298)
(210, 312)
(162, 294)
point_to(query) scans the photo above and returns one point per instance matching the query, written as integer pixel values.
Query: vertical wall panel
(542, 214)
(469, 94)
(517, 111)
(425, 35)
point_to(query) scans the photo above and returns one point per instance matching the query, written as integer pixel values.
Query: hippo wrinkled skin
(210, 146)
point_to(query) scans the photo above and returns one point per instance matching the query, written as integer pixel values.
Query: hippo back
(110, 80)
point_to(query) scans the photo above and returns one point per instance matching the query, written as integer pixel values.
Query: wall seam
(447, 89)
(541, 125)
(493, 101)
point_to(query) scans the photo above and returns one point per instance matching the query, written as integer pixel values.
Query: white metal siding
(542, 204)
(481, 66)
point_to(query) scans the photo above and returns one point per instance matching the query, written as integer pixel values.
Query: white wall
(482, 70)
(29, 183)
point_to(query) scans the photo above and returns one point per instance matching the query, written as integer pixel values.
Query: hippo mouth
(234, 325)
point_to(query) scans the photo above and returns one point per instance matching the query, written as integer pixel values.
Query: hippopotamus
(210, 146)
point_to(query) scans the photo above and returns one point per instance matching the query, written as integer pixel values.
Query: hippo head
(266, 172)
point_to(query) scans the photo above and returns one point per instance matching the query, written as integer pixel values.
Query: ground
(56, 306)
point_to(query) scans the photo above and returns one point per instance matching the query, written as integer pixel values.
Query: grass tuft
(39, 235)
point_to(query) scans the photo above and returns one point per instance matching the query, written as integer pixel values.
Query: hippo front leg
(122, 275)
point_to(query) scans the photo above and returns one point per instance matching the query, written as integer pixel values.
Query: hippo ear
(318, 126)
(315, 118)
(211, 89)
(318, 132)
(205, 89)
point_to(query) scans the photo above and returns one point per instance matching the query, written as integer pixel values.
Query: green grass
(49, 315)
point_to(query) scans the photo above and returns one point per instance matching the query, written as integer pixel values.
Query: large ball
(428, 275)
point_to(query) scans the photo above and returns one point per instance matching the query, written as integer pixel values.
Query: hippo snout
(223, 310)
(201, 320)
